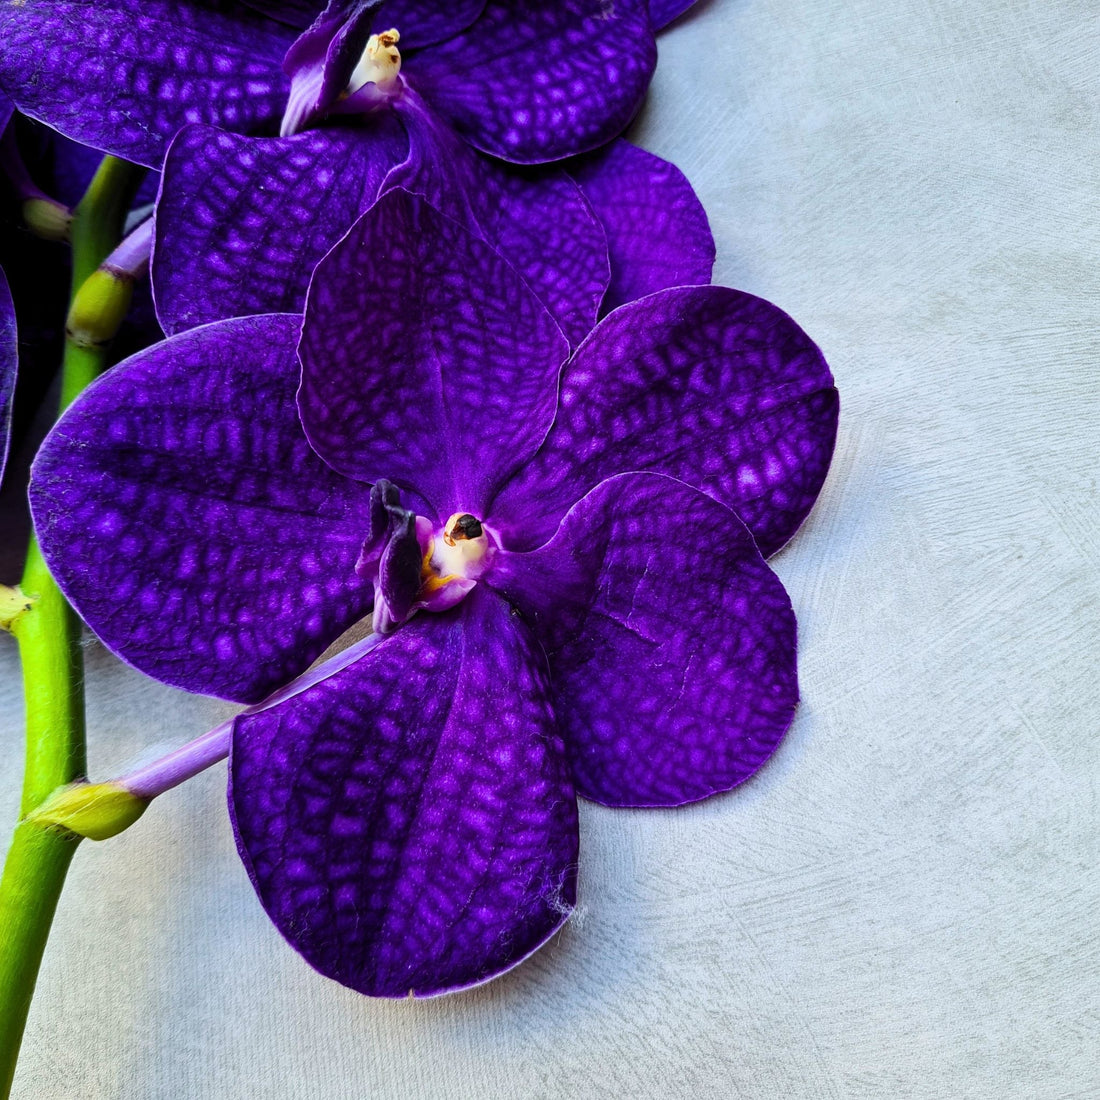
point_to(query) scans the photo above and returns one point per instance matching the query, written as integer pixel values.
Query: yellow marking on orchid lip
(435, 583)
(430, 580)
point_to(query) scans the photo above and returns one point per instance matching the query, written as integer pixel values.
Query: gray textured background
(904, 903)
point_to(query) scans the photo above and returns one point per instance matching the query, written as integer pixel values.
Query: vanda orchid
(561, 555)
(442, 100)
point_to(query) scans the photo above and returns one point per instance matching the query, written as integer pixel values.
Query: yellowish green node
(99, 307)
(93, 810)
(13, 603)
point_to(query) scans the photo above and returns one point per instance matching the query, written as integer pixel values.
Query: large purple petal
(425, 358)
(426, 22)
(709, 385)
(533, 82)
(409, 824)
(662, 12)
(242, 222)
(188, 521)
(9, 361)
(125, 75)
(671, 642)
(421, 22)
(537, 218)
(294, 13)
(657, 230)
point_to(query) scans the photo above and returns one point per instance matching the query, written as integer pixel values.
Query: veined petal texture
(188, 521)
(125, 75)
(532, 82)
(536, 217)
(657, 231)
(426, 22)
(709, 385)
(409, 823)
(420, 22)
(425, 358)
(671, 643)
(9, 363)
(242, 222)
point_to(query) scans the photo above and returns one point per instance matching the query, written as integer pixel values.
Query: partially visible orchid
(415, 89)
(523, 80)
(561, 555)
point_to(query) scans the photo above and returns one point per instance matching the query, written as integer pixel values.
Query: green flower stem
(48, 633)
(33, 876)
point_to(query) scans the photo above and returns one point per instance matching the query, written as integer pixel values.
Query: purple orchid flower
(522, 80)
(242, 222)
(562, 554)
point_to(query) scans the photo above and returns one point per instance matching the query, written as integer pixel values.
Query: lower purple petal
(409, 823)
(242, 222)
(709, 385)
(187, 520)
(671, 643)
(657, 230)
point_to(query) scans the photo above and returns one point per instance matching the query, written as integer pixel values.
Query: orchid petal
(294, 13)
(537, 218)
(663, 12)
(532, 82)
(657, 231)
(426, 22)
(409, 823)
(421, 22)
(425, 358)
(709, 385)
(125, 75)
(242, 222)
(671, 643)
(9, 362)
(187, 520)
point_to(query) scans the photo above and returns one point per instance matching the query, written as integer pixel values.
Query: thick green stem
(48, 633)
(33, 876)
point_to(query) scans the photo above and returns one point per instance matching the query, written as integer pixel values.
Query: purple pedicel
(587, 616)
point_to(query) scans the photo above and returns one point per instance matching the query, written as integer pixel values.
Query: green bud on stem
(98, 308)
